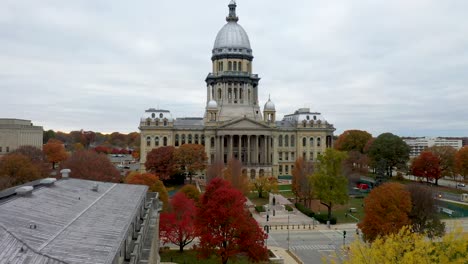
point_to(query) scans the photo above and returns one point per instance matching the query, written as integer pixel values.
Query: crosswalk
(314, 247)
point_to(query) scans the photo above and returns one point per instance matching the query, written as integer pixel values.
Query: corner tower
(231, 84)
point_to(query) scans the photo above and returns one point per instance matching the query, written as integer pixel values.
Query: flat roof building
(417, 145)
(15, 133)
(79, 221)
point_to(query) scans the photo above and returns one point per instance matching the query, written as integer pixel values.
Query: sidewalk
(283, 254)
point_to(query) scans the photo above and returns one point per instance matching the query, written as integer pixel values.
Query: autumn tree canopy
(328, 182)
(17, 169)
(427, 165)
(407, 247)
(353, 140)
(461, 161)
(233, 174)
(161, 162)
(89, 165)
(214, 170)
(446, 155)
(191, 192)
(225, 228)
(37, 157)
(55, 151)
(191, 158)
(423, 215)
(386, 210)
(263, 184)
(177, 226)
(301, 185)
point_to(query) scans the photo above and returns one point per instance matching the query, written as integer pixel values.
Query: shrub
(322, 218)
(260, 208)
(288, 208)
(304, 210)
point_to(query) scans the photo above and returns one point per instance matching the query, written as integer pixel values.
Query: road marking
(318, 247)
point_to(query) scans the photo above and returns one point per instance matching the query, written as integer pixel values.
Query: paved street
(311, 245)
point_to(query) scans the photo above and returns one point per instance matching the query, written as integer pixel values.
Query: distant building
(15, 133)
(417, 145)
(79, 221)
(234, 125)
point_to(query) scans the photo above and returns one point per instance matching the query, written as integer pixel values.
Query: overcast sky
(383, 66)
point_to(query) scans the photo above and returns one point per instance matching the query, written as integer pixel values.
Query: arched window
(196, 139)
(239, 66)
(156, 122)
(203, 140)
(230, 93)
(164, 141)
(235, 66)
(148, 121)
(318, 141)
(311, 142)
(165, 122)
(220, 94)
(304, 123)
(212, 142)
(280, 141)
(183, 139)
(286, 141)
(153, 115)
(189, 139)
(304, 141)
(229, 66)
(177, 140)
(156, 141)
(148, 141)
(293, 141)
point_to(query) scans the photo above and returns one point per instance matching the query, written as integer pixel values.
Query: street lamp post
(288, 230)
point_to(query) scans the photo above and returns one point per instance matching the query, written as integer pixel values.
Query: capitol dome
(232, 38)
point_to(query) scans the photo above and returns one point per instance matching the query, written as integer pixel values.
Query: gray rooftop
(189, 122)
(74, 224)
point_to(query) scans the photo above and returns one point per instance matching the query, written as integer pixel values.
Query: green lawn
(284, 187)
(341, 213)
(190, 256)
(253, 197)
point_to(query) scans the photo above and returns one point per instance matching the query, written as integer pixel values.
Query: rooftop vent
(48, 181)
(95, 187)
(65, 173)
(25, 190)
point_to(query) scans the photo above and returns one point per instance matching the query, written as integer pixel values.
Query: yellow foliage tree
(406, 247)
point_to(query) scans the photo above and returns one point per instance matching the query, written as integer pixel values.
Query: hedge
(304, 210)
(288, 208)
(260, 208)
(322, 218)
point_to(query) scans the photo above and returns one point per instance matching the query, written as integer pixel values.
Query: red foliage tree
(225, 228)
(55, 151)
(89, 165)
(102, 149)
(37, 157)
(301, 185)
(177, 226)
(161, 162)
(387, 210)
(427, 165)
(461, 162)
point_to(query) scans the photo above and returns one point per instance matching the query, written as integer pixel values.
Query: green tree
(388, 151)
(47, 135)
(264, 184)
(328, 182)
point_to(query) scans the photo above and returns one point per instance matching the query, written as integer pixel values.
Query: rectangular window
(311, 156)
(292, 155)
(280, 156)
(280, 169)
(1, 149)
(7, 149)
(286, 156)
(286, 169)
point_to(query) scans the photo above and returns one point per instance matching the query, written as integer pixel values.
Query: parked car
(460, 184)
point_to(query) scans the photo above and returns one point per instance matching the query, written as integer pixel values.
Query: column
(222, 148)
(256, 149)
(248, 149)
(230, 147)
(265, 149)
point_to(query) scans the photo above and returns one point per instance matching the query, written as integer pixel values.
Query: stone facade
(234, 125)
(15, 133)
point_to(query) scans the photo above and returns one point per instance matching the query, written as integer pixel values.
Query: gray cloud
(397, 66)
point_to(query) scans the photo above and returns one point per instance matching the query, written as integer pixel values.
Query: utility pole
(288, 230)
(344, 238)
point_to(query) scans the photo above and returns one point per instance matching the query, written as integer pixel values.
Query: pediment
(244, 123)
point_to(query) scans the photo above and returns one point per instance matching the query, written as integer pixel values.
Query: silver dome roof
(232, 35)
(269, 105)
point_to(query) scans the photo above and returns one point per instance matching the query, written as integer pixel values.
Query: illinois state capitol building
(234, 125)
